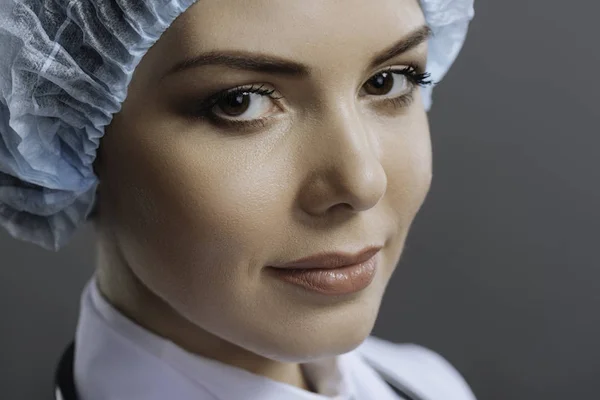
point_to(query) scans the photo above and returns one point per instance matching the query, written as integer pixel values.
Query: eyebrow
(279, 66)
(405, 44)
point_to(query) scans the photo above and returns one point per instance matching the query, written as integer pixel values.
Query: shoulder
(418, 367)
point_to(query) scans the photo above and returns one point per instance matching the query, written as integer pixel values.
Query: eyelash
(413, 73)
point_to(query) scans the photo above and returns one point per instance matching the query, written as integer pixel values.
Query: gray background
(501, 270)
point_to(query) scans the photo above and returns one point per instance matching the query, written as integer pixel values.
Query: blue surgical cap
(64, 70)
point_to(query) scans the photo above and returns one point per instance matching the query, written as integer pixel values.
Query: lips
(331, 273)
(331, 260)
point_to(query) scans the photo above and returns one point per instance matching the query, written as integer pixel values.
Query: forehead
(305, 31)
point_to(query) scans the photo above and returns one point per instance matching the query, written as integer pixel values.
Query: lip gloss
(331, 281)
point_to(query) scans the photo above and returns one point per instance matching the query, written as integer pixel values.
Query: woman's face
(325, 148)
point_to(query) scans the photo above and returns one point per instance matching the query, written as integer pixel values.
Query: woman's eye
(243, 106)
(388, 84)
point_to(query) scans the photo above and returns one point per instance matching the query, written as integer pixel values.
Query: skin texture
(191, 212)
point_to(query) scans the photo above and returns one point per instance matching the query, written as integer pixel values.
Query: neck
(120, 287)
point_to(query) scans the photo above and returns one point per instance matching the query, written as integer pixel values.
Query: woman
(259, 165)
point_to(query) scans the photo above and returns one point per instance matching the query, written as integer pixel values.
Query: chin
(321, 346)
(324, 333)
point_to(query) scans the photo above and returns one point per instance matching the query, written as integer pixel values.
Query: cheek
(407, 159)
(408, 164)
(192, 217)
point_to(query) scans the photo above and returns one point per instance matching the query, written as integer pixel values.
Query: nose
(346, 170)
